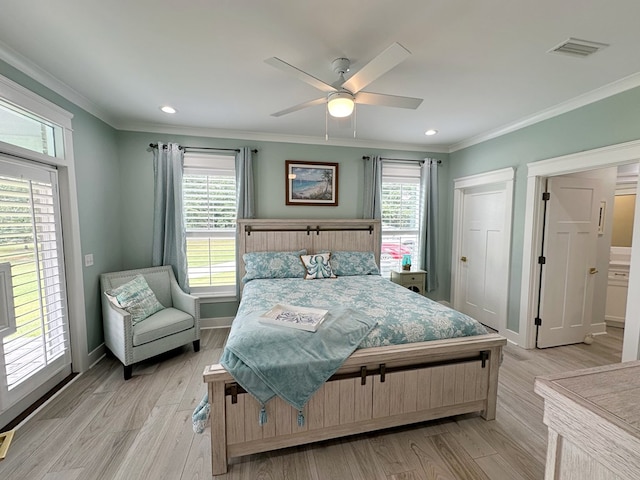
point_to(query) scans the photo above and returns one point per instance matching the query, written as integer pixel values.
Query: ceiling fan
(342, 95)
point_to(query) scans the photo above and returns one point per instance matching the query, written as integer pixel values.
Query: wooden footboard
(375, 388)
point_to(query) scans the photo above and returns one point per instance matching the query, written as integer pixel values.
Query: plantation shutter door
(37, 348)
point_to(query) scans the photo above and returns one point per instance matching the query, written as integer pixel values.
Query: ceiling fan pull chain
(355, 119)
(326, 125)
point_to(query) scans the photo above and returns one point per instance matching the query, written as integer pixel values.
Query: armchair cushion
(136, 298)
(164, 323)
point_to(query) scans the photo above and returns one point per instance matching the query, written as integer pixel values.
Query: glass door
(34, 343)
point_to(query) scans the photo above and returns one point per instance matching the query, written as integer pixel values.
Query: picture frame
(311, 183)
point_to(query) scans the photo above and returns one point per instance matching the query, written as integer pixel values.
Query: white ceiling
(481, 67)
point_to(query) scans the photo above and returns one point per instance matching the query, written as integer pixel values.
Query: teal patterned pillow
(136, 298)
(273, 265)
(317, 266)
(354, 263)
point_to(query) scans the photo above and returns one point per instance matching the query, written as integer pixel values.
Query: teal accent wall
(607, 122)
(115, 188)
(98, 189)
(269, 178)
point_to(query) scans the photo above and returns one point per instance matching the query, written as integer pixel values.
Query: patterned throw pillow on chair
(317, 266)
(136, 298)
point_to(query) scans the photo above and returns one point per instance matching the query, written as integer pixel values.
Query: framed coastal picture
(311, 183)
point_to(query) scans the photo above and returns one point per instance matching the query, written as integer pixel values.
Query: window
(209, 193)
(400, 215)
(23, 129)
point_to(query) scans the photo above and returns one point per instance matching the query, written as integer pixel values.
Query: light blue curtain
(244, 184)
(169, 236)
(371, 205)
(429, 221)
(245, 199)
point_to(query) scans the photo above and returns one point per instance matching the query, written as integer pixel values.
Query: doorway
(611, 156)
(34, 337)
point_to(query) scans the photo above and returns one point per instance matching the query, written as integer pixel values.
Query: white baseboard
(512, 337)
(96, 355)
(216, 322)
(615, 323)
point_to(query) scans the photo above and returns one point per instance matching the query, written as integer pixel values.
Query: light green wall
(98, 187)
(607, 122)
(269, 178)
(115, 190)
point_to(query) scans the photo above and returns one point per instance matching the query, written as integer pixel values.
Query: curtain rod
(155, 145)
(421, 160)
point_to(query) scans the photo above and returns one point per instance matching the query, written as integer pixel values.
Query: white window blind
(400, 215)
(209, 192)
(31, 243)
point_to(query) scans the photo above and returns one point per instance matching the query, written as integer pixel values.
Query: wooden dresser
(593, 417)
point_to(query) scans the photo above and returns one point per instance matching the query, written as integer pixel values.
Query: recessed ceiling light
(168, 109)
(430, 132)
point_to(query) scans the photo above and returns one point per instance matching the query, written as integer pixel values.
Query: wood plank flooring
(101, 427)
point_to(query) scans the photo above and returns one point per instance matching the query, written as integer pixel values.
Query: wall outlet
(88, 259)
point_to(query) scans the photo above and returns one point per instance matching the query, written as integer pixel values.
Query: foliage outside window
(209, 193)
(400, 216)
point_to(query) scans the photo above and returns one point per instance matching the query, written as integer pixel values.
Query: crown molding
(619, 86)
(29, 68)
(272, 137)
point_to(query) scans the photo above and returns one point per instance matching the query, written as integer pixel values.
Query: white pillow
(317, 266)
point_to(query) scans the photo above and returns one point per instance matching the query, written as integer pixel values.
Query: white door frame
(72, 247)
(503, 177)
(610, 156)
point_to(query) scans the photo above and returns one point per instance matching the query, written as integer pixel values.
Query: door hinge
(546, 196)
(542, 260)
(538, 321)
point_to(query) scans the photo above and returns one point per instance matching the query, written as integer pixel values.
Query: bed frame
(375, 388)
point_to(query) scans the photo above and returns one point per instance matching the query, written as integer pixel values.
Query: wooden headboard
(283, 235)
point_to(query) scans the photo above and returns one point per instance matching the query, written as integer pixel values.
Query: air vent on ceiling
(578, 48)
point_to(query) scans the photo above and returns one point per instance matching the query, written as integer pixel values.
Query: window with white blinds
(400, 215)
(30, 242)
(209, 193)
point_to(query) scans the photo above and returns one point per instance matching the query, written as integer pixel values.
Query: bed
(381, 384)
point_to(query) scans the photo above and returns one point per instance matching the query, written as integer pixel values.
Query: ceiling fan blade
(368, 98)
(377, 67)
(300, 106)
(304, 76)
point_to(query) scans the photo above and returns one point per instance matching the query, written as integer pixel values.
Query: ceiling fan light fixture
(340, 104)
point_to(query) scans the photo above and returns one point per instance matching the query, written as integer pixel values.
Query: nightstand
(414, 280)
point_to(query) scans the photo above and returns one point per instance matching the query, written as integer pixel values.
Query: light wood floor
(102, 427)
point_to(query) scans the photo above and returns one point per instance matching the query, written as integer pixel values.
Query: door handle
(593, 270)
(463, 259)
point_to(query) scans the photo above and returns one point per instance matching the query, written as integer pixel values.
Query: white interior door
(570, 251)
(483, 256)
(34, 350)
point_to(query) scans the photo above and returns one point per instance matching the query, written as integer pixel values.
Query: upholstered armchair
(173, 326)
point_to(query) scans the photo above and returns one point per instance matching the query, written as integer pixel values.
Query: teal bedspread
(398, 316)
(269, 360)
(402, 316)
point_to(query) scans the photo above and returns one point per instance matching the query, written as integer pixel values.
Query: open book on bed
(292, 316)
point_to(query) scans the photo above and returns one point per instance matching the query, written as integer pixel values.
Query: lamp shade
(340, 104)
